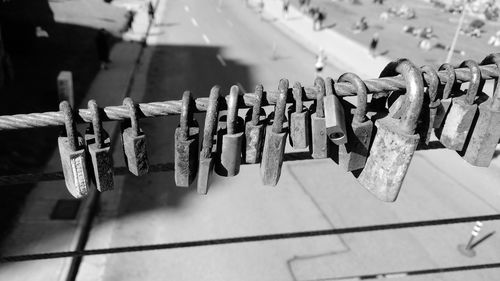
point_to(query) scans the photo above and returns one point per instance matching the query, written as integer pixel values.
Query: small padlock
(461, 114)
(186, 144)
(205, 167)
(254, 129)
(334, 115)
(134, 142)
(99, 147)
(299, 120)
(73, 156)
(275, 141)
(445, 102)
(229, 154)
(486, 133)
(395, 140)
(319, 140)
(428, 114)
(352, 155)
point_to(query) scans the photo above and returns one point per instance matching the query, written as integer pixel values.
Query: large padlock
(461, 114)
(445, 102)
(254, 129)
(275, 141)
(73, 156)
(352, 155)
(486, 133)
(186, 144)
(230, 139)
(395, 141)
(431, 104)
(205, 167)
(334, 115)
(299, 120)
(319, 140)
(134, 142)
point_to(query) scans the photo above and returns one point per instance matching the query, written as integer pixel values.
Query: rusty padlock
(205, 167)
(275, 141)
(445, 102)
(461, 114)
(352, 155)
(395, 141)
(254, 129)
(428, 114)
(73, 156)
(99, 148)
(486, 133)
(134, 142)
(319, 140)
(299, 120)
(186, 144)
(334, 115)
(231, 138)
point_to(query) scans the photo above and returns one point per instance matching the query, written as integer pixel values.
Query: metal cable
(155, 109)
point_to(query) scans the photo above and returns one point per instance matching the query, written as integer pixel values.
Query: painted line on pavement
(206, 39)
(195, 23)
(221, 60)
(230, 23)
(186, 8)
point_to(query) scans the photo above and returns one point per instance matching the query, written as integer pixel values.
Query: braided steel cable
(155, 109)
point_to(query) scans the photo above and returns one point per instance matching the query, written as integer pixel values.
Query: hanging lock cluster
(374, 140)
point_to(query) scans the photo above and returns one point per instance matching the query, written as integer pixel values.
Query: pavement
(195, 44)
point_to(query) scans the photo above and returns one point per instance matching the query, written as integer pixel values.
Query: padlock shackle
(490, 59)
(329, 86)
(432, 82)
(185, 116)
(232, 109)
(297, 97)
(210, 122)
(475, 80)
(414, 91)
(259, 89)
(279, 109)
(69, 124)
(96, 123)
(132, 109)
(362, 93)
(450, 81)
(319, 84)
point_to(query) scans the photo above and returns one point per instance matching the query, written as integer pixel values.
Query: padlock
(205, 167)
(229, 154)
(461, 114)
(334, 115)
(99, 147)
(319, 140)
(186, 144)
(73, 156)
(299, 120)
(352, 155)
(134, 142)
(486, 133)
(428, 114)
(395, 141)
(275, 141)
(254, 129)
(445, 102)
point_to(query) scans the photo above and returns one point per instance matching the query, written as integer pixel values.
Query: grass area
(341, 15)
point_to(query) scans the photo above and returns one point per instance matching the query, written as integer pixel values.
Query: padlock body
(484, 138)
(102, 164)
(229, 157)
(319, 140)
(353, 155)
(441, 112)
(205, 169)
(134, 148)
(390, 157)
(335, 120)
(186, 156)
(74, 168)
(457, 124)
(299, 129)
(429, 126)
(272, 157)
(254, 135)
